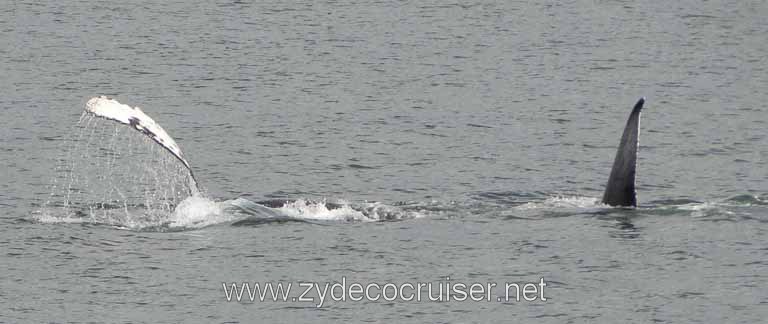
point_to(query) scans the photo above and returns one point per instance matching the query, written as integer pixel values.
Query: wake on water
(109, 174)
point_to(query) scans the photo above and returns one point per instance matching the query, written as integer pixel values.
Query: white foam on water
(339, 211)
(192, 213)
(56, 216)
(707, 208)
(381, 211)
(564, 202)
(557, 206)
(197, 212)
(303, 209)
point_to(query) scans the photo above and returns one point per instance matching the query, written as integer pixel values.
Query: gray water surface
(494, 122)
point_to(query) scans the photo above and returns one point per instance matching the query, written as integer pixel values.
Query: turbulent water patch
(324, 212)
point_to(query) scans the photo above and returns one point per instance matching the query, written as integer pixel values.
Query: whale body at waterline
(619, 191)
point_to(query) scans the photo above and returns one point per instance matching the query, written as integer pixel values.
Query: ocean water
(416, 142)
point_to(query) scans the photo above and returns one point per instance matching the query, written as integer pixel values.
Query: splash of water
(319, 211)
(323, 211)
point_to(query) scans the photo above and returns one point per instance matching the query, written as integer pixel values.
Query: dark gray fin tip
(638, 105)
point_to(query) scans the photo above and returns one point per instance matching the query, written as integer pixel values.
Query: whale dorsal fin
(620, 190)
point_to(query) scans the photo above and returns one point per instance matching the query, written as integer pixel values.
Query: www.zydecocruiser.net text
(343, 291)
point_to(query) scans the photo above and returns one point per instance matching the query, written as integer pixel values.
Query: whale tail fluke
(620, 190)
(133, 116)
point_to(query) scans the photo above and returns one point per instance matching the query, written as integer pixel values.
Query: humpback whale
(620, 190)
(111, 109)
(134, 117)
